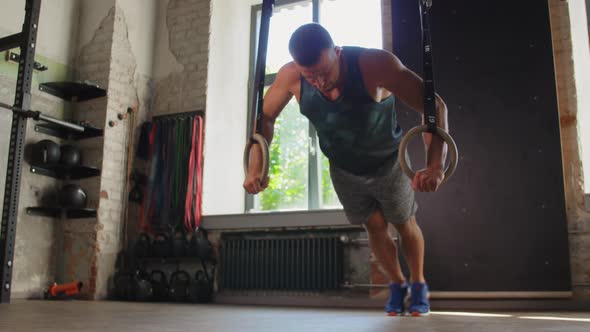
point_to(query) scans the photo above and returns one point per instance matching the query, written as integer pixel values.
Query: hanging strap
(188, 211)
(429, 96)
(255, 117)
(179, 167)
(160, 190)
(257, 100)
(199, 176)
(186, 149)
(144, 213)
(429, 102)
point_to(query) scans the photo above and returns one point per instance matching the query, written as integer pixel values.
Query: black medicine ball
(46, 152)
(70, 155)
(72, 196)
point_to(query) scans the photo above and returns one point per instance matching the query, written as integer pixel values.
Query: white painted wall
(140, 16)
(56, 36)
(92, 12)
(225, 128)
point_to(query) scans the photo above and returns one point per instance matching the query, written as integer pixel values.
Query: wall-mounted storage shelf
(64, 172)
(73, 91)
(58, 212)
(66, 133)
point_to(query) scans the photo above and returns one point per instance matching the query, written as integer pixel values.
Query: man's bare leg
(413, 246)
(383, 247)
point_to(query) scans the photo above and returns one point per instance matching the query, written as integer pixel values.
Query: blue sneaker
(397, 296)
(419, 300)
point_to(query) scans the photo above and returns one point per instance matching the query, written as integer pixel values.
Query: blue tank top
(355, 133)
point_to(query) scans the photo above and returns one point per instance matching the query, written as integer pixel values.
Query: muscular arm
(392, 75)
(275, 99)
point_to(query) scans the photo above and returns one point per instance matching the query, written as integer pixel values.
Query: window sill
(283, 219)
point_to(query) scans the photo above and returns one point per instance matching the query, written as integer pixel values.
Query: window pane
(289, 167)
(353, 22)
(329, 197)
(284, 20)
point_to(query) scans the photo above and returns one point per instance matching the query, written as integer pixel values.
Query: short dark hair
(307, 42)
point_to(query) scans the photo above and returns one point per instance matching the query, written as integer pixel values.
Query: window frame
(315, 157)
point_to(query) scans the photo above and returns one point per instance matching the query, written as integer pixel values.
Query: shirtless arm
(408, 87)
(275, 99)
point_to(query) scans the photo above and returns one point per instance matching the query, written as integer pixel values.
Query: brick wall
(188, 30)
(92, 245)
(80, 235)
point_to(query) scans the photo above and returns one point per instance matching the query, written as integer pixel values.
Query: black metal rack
(66, 92)
(26, 40)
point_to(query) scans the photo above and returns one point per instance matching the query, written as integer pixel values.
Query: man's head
(315, 55)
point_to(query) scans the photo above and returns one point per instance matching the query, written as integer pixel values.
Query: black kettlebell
(193, 291)
(200, 289)
(46, 152)
(161, 245)
(160, 285)
(124, 287)
(72, 196)
(205, 287)
(70, 156)
(179, 246)
(142, 246)
(142, 287)
(200, 245)
(179, 286)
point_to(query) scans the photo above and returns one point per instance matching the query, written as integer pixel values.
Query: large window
(299, 172)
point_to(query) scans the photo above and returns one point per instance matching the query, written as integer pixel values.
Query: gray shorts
(388, 189)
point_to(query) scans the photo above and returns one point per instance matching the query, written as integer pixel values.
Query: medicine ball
(46, 152)
(72, 196)
(70, 155)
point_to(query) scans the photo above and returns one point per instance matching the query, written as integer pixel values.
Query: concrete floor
(49, 316)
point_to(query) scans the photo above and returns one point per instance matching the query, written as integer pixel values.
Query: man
(348, 94)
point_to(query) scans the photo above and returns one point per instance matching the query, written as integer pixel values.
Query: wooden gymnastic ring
(453, 152)
(260, 140)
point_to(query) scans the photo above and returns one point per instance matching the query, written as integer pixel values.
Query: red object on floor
(68, 289)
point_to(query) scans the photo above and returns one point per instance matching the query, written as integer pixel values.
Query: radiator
(295, 263)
